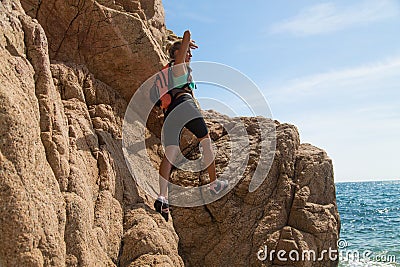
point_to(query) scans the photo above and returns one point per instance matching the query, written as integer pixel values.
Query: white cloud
(362, 147)
(354, 114)
(329, 17)
(361, 78)
(339, 87)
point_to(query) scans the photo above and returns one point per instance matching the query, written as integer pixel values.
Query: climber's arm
(180, 58)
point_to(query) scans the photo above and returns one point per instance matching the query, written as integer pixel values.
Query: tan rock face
(118, 41)
(32, 213)
(64, 182)
(67, 197)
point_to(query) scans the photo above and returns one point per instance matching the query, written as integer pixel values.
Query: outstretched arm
(187, 43)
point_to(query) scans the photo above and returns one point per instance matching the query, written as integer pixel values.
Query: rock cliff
(67, 72)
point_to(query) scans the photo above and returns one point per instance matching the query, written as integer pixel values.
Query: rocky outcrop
(65, 188)
(32, 213)
(68, 69)
(289, 211)
(118, 41)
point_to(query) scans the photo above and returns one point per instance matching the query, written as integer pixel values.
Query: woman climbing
(182, 97)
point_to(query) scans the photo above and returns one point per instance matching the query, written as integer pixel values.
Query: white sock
(163, 199)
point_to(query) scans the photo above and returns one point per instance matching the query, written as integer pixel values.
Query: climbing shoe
(162, 207)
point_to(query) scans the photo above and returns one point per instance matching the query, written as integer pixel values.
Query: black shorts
(183, 112)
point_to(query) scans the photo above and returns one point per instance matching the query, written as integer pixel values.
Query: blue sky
(332, 68)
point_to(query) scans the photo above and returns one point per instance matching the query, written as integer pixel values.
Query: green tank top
(182, 80)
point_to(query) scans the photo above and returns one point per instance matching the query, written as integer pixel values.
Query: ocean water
(370, 219)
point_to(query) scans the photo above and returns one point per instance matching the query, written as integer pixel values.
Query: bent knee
(207, 136)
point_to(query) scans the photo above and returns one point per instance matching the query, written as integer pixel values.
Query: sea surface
(370, 223)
